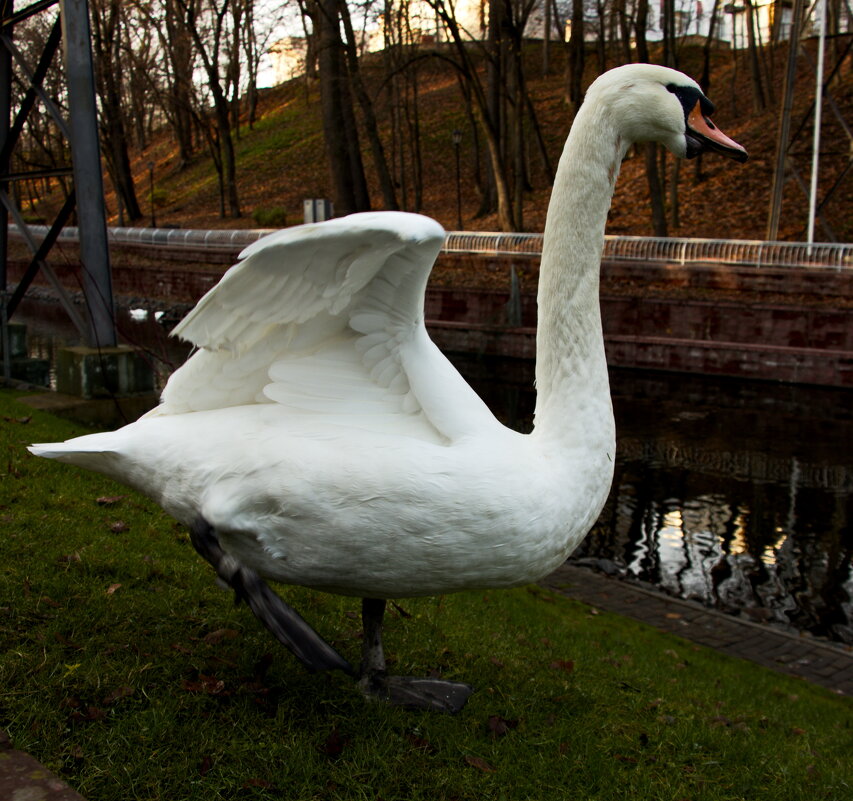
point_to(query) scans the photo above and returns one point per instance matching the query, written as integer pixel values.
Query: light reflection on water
(736, 494)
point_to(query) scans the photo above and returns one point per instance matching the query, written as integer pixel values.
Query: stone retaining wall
(804, 335)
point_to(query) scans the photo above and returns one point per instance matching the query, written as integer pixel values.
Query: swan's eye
(689, 96)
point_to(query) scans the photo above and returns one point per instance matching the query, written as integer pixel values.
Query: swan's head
(656, 104)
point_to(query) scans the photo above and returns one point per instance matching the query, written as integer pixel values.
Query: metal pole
(818, 108)
(457, 140)
(86, 158)
(784, 132)
(5, 111)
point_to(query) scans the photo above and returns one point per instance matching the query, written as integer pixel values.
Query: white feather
(330, 443)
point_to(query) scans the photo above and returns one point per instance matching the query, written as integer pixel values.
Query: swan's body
(325, 439)
(320, 474)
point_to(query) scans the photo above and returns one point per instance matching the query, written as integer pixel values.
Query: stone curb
(820, 662)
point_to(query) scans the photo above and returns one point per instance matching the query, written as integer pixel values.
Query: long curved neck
(571, 372)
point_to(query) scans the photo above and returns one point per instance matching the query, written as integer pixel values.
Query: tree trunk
(339, 126)
(674, 206)
(655, 190)
(758, 100)
(106, 45)
(209, 52)
(577, 55)
(386, 183)
(668, 30)
(640, 29)
(179, 58)
(601, 42)
(705, 77)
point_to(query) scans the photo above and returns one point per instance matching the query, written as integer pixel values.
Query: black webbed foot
(437, 695)
(282, 620)
(409, 691)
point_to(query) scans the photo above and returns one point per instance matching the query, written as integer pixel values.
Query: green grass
(127, 671)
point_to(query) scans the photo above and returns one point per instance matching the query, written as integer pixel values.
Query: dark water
(49, 328)
(736, 494)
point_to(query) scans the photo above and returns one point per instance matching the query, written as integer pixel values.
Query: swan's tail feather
(92, 451)
(283, 622)
(52, 450)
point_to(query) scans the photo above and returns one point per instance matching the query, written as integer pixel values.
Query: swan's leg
(373, 675)
(435, 694)
(284, 622)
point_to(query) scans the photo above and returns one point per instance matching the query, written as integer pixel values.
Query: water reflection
(49, 328)
(735, 494)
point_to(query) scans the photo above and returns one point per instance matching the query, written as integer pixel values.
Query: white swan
(318, 437)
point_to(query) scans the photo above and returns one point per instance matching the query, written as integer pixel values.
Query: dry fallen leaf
(499, 726)
(216, 637)
(109, 500)
(420, 743)
(480, 764)
(63, 640)
(117, 694)
(334, 744)
(112, 588)
(205, 684)
(263, 783)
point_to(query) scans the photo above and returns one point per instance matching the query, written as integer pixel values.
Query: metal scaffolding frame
(785, 163)
(71, 31)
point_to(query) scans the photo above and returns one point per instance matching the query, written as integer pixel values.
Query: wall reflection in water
(736, 494)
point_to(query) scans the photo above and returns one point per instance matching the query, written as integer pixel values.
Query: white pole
(818, 108)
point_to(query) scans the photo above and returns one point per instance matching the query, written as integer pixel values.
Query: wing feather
(326, 319)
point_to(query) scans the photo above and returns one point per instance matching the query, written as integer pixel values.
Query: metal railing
(493, 244)
(172, 238)
(671, 250)
(751, 253)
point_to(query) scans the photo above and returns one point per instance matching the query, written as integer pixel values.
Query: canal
(737, 494)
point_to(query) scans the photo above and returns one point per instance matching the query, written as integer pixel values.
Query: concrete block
(109, 372)
(18, 340)
(31, 371)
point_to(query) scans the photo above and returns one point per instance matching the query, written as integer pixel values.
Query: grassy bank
(128, 672)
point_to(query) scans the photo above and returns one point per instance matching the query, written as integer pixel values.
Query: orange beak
(702, 135)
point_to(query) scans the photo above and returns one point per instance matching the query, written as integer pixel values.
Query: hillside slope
(282, 161)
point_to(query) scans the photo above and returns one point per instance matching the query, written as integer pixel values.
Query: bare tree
(339, 122)
(650, 150)
(207, 23)
(107, 46)
(403, 60)
(365, 102)
(173, 81)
